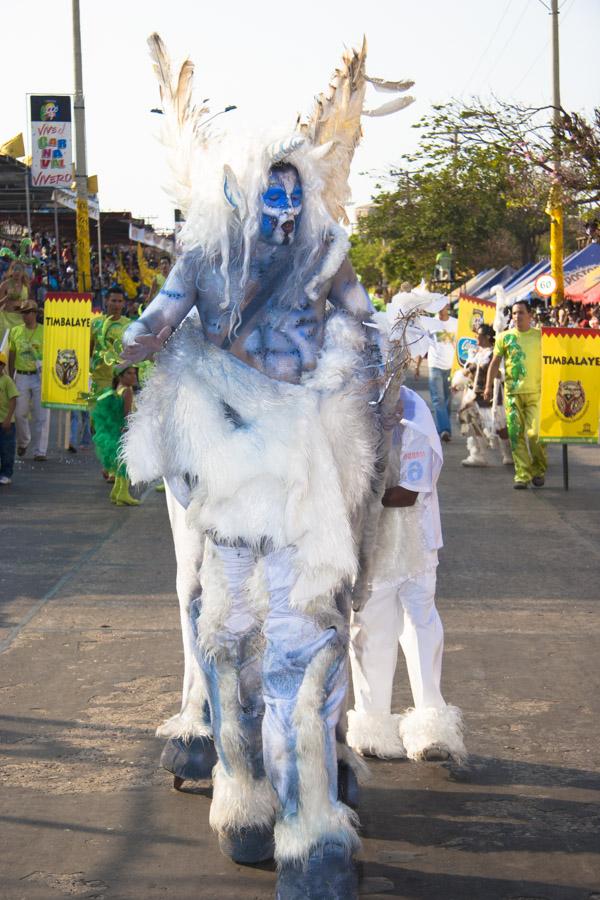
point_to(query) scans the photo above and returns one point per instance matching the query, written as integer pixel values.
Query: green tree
(474, 182)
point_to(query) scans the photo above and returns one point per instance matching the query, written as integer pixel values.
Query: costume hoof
(178, 782)
(191, 760)
(348, 789)
(329, 874)
(435, 754)
(248, 846)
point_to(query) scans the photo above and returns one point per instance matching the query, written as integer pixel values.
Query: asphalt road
(92, 662)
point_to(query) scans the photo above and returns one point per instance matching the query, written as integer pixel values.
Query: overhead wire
(488, 45)
(508, 40)
(566, 3)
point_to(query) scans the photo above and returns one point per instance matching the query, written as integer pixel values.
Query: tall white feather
(181, 132)
(336, 118)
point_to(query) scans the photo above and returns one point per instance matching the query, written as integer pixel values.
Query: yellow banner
(570, 404)
(66, 357)
(472, 312)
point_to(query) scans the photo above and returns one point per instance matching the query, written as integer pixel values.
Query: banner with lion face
(66, 362)
(570, 403)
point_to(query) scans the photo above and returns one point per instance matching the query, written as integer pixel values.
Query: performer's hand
(487, 394)
(137, 347)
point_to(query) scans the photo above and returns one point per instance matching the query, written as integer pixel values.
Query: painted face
(282, 206)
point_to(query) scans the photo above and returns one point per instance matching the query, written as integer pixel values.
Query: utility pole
(555, 204)
(84, 279)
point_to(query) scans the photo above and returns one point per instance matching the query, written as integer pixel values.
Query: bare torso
(279, 330)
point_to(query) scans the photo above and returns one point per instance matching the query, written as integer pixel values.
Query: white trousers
(402, 611)
(30, 399)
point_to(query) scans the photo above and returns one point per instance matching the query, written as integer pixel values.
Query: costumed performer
(481, 421)
(110, 414)
(401, 604)
(520, 349)
(251, 417)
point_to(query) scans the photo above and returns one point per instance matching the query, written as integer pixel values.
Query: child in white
(401, 607)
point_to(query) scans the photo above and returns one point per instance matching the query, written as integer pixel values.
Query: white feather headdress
(217, 181)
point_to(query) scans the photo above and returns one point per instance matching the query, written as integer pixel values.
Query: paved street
(92, 663)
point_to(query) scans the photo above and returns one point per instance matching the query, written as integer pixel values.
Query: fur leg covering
(428, 726)
(193, 720)
(305, 676)
(229, 649)
(318, 817)
(375, 734)
(241, 801)
(185, 726)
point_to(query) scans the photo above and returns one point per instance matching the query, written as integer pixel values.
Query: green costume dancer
(109, 416)
(520, 347)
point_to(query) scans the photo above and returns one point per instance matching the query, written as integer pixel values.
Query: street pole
(84, 280)
(28, 200)
(555, 202)
(57, 239)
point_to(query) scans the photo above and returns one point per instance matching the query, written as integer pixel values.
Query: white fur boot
(431, 729)
(375, 734)
(477, 452)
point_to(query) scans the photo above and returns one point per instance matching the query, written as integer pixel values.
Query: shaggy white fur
(426, 727)
(240, 802)
(317, 820)
(184, 725)
(336, 254)
(283, 475)
(375, 734)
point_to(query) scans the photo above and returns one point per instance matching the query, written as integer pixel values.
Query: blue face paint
(267, 226)
(281, 206)
(275, 197)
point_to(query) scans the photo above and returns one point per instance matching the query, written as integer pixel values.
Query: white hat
(405, 304)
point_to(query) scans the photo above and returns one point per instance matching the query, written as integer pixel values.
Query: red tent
(582, 289)
(591, 297)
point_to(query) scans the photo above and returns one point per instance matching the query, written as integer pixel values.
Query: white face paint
(282, 206)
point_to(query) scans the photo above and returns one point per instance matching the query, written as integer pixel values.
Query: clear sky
(271, 60)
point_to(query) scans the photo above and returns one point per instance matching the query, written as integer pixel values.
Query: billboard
(51, 140)
(570, 403)
(66, 358)
(472, 312)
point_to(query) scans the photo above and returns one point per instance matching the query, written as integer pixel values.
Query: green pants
(522, 417)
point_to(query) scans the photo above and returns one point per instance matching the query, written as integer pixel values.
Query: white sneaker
(4, 479)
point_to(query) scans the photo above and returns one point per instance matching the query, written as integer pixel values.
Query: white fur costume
(260, 420)
(281, 480)
(401, 607)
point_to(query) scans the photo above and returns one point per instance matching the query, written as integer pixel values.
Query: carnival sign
(570, 403)
(66, 359)
(472, 312)
(51, 140)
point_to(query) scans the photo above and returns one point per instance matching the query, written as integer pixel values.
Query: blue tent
(500, 276)
(589, 256)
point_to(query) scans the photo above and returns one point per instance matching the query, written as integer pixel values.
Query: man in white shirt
(401, 607)
(442, 334)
